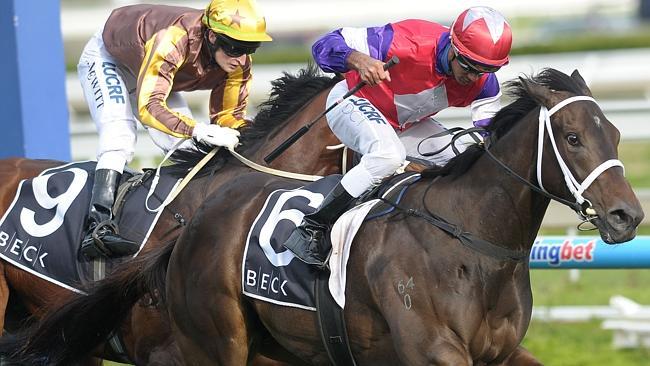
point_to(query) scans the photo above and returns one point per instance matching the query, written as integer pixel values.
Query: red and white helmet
(483, 35)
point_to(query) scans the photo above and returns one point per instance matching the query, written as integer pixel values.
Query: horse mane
(288, 94)
(507, 117)
(183, 160)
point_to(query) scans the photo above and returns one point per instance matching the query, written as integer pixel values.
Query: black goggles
(234, 48)
(477, 69)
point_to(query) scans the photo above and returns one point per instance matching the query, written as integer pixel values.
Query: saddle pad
(392, 190)
(269, 271)
(136, 220)
(346, 227)
(43, 227)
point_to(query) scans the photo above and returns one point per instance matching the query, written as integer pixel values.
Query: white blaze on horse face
(277, 213)
(597, 121)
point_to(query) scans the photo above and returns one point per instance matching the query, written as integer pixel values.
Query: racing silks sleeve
(332, 50)
(228, 101)
(165, 53)
(487, 103)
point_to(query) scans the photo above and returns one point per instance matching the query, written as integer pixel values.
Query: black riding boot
(307, 241)
(102, 238)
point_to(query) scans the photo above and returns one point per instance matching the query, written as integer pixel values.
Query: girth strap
(117, 347)
(332, 323)
(132, 183)
(115, 341)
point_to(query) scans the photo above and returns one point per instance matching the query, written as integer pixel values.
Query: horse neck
(500, 208)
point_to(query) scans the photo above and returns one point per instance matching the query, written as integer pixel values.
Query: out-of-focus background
(581, 317)
(606, 40)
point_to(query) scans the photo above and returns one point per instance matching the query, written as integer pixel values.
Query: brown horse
(293, 102)
(467, 304)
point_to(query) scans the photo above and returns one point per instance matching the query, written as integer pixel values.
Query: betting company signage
(588, 252)
(556, 253)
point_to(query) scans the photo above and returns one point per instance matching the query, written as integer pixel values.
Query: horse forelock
(508, 116)
(288, 94)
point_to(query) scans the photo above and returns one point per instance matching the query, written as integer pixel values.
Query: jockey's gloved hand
(216, 135)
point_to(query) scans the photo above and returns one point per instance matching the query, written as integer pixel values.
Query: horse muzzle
(618, 224)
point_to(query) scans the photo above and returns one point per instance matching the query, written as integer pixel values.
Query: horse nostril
(619, 218)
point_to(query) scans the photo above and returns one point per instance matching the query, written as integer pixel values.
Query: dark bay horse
(293, 102)
(467, 304)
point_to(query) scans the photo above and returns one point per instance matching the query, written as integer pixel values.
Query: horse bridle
(586, 211)
(582, 205)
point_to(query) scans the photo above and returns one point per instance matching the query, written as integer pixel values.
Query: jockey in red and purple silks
(423, 85)
(439, 67)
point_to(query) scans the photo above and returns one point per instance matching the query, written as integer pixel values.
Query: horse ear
(538, 92)
(575, 75)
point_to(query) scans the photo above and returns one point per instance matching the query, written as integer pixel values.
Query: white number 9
(62, 203)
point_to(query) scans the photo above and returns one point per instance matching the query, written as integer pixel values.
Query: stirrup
(300, 244)
(92, 245)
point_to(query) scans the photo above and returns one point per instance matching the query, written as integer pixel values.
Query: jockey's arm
(487, 103)
(360, 49)
(229, 100)
(163, 57)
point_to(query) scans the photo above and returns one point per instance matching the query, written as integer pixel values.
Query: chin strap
(576, 188)
(212, 47)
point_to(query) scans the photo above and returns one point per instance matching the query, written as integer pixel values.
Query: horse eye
(573, 139)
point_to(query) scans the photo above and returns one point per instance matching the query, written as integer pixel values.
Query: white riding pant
(363, 128)
(110, 91)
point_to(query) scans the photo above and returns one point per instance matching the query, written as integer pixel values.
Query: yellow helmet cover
(240, 20)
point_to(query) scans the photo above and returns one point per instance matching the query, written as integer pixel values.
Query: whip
(303, 130)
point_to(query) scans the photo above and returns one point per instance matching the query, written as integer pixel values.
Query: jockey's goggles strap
(212, 47)
(572, 184)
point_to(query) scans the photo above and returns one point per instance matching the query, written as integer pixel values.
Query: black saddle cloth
(43, 228)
